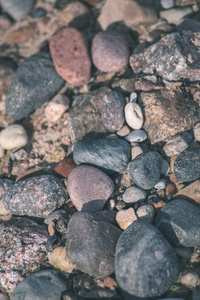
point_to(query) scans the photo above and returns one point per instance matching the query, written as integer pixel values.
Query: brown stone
(173, 178)
(126, 217)
(191, 191)
(20, 35)
(70, 56)
(170, 189)
(110, 283)
(76, 14)
(64, 167)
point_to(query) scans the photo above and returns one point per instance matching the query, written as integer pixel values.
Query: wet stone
(18, 10)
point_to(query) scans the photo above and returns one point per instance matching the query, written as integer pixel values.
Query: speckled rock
(112, 110)
(70, 56)
(22, 250)
(5, 184)
(12, 137)
(110, 51)
(89, 188)
(134, 194)
(18, 10)
(126, 217)
(145, 169)
(136, 136)
(145, 263)
(133, 115)
(146, 213)
(101, 238)
(37, 196)
(56, 107)
(65, 166)
(23, 98)
(110, 153)
(76, 14)
(175, 145)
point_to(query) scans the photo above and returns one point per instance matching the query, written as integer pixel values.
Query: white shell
(134, 115)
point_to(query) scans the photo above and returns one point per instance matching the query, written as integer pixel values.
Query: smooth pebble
(190, 278)
(165, 168)
(134, 194)
(126, 217)
(146, 212)
(160, 185)
(14, 136)
(133, 97)
(123, 131)
(56, 107)
(136, 136)
(135, 151)
(134, 115)
(167, 3)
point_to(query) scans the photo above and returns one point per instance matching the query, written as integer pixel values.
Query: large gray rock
(19, 9)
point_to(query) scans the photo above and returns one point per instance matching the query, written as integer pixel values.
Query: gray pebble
(19, 9)
(136, 136)
(146, 213)
(134, 194)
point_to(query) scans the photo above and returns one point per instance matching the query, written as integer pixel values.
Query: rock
(123, 131)
(70, 56)
(170, 189)
(59, 260)
(65, 166)
(76, 14)
(12, 137)
(145, 169)
(110, 51)
(192, 191)
(3, 296)
(134, 194)
(46, 284)
(175, 15)
(146, 213)
(196, 131)
(174, 112)
(175, 145)
(22, 97)
(112, 110)
(5, 184)
(160, 185)
(187, 136)
(165, 168)
(20, 35)
(133, 115)
(145, 263)
(179, 222)
(136, 136)
(187, 165)
(7, 68)
(189, 24)
(107, 215)
(110, 153)
(190, 278)
(183, 252)
(56, 107)
(39, 12)
(18, 10)
(37, 196)
(124, 85)
(126, 217)
(22, 250)
(95, 237)
(166, 4)
(135, 151)
(195, 295)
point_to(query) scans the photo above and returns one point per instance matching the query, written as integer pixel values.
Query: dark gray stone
(34, 83)
(179, 222)
(110, 153)
(45, 285)
(19, 9)
(187, 165)
(91, 243)
(145, 263)
(189, 24)
(145, 169)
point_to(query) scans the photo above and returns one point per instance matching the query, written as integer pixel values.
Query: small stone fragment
(192, 191)
(134, 115)
(175, 15)
(76, 14)
(126, 217)
(165, 168)
(190, 278)
(134, 194)
(123, 131)
(166, 4)
(136, 136)
(65, 166)
(135, 151)
(196, 131)
(175, 145)
(18, 10)
(58, 258)
(146, 213)
(56, 107)
(160, 185)
(14, 136)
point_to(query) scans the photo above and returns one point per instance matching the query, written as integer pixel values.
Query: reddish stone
(70, 56)
(170, 189)
(173, 178)
(65, 166)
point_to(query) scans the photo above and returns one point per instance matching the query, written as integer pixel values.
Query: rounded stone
(135, 151)
(190, 278)
(110, 51)
(160, 185)
(70, 56)
(133, 115)
(112, 110)
(14, 136)
(89, 188)
(165, 168)
(134, 194)
(123, 131)
(65, 166)
(56, 107)
(18, 10)
(136, 136)
(126, 217)
(196, 132)
(146, 213)
(133, 97)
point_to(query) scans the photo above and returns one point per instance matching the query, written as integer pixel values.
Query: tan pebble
(110, 282)
(56, 107)
(135, 151)
(126, 217)
(58, 154)
(170, 189)
(191, 278)
(134, 115)
(51, 228)
(58, 258)
(173, 178)
(123, 131)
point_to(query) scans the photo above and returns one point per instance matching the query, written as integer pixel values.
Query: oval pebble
(146, 212)
(165, 168)
(110, 51)
(136, 136)
(134, 194)
(56, 107)
(160, 185)
(135, 151)
(14, 136)
(133, 115)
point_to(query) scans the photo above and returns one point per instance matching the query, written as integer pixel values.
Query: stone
(18, 10)
(145, 169)
(187, 165)
(146, 213)
(160, 185)
(23, 98)
(135, 151)
(145, 263)
(190, 278)
(58, 258)
(187, 136)
(89, 188)
(39, 12)
(110, 153)
(107, 215)
(56, 107)
(126, 217)
(170, 189)
(134, 194)
(91, 246)
(65, 166)
(183, 252)
(112, 110)
(3, 296)
(123, 131)
(134, 115)
(189, 24)
(12, 137)
(133, 97)
(124, 85)
(175, 145)
(76, 14)
(174, 112)
(5, 184)
(20, 35)
(136, 136)
(22, 250)
(196, 131)
(191, 192)
(46, 284)
(175, 15)
(70, 56)
(166, 4)
(195, 295)
(179, 222)
(110, 51)
(165, 168)
(37, 196)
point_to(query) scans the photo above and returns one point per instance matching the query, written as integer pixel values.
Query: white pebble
(134, 115)
(133, 97)
(56, 107)
(146, 212)
(160, 185)
(175, 15)
(134, 194)
(165, 168)
(175, 145)
(191, 278)
(136, 136)
(14, 136)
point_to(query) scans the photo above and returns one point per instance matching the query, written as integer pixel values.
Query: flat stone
(12, 137)
(126, 217)
(136, 136)
(134, 194)
(56, 107)
(145, 169)
(70, 56)
(65, 166)
(95, 237)
(18, 10)
(175, 145)
(89, 188)
(190, 278)
(146, 213)
(110, 153)
(179, 222)
(76, 14)
(175, 15)
(191, 192)
(134, 115)
(145, 263)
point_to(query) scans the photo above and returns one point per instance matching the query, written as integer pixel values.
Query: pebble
(134, 194)
(175, 15)
(39, 12)
(56, 107)
(179, 222)
(89, 188)
(175, 145)
(160, 185)
(37, 196)
(190, 278)
(135, 151)
(110, 153)
(145, 169)
(101, 238)
(65, 166)
(22, 97)
(183, 252)
(146, 213)
(196, 131)
(123, 85)
(134, 115)
(18, 10)
(123, 131)
(136, 136)
(133, 97)
(110, 51)
(165, 168)
(170, 189)
(70, 56)
(3, 296)
(112, 110)
(189, 24)
(192, 191)
(12, 137)
(126, 217)
(187, 136)
(76, 14)
(107, 215)
(166, 4)
(59, 260)
(46, 284)
(145, 263)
